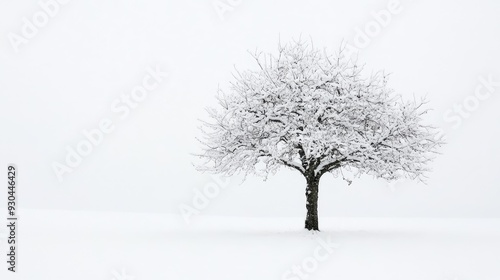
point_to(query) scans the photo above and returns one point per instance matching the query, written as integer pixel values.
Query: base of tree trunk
(312, 224)
(312, 203)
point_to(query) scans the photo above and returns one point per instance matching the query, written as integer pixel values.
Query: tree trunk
(312, 203)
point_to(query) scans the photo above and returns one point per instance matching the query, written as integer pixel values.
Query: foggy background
(64, 80)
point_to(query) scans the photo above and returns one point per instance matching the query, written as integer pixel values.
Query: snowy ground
(124, 246)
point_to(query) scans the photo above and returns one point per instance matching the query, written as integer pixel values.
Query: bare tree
(315, 113)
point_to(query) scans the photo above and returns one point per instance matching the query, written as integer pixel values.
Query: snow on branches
(316, 113)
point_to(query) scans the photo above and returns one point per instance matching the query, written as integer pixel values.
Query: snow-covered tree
(315, 113)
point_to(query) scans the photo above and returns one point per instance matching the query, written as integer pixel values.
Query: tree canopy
(316, 112)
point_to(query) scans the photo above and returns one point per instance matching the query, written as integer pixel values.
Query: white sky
(64, 79)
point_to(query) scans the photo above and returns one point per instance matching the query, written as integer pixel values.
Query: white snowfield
(69, 245)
